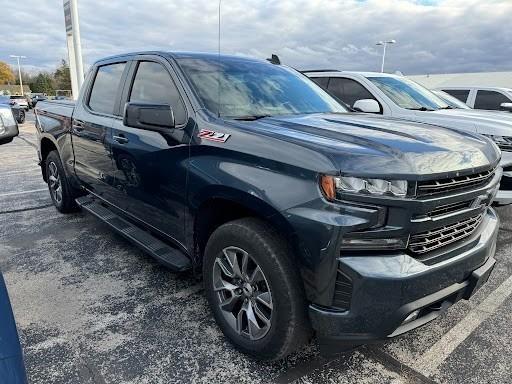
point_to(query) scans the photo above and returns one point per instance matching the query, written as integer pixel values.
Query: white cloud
(432, 36)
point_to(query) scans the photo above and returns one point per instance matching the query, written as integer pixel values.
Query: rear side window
(104, 90)
(490, 100)
(153, 84)
(461, 94)
(348, 90)
(321, 81)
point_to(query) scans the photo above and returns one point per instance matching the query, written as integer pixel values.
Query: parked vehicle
(488, 98)
(8, 126)
(37, 98)
(17, 111)
(12, 368)
(20, 101)
(450, 100)
(300, 216)
(397, 96)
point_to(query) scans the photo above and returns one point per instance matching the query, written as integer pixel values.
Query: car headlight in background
(503, 142)
(334, 185)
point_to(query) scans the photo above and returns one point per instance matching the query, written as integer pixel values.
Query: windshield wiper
(250, 117)
(421, 109)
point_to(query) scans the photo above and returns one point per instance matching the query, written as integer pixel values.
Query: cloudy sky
(432, 36)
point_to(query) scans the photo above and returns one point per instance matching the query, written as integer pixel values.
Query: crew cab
(299, 216)
(397, 96)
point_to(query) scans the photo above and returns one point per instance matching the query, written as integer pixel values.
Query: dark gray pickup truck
(300, 216)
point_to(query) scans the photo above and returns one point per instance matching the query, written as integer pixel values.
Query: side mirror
(367, 106)
(506, 106)
(152, 117)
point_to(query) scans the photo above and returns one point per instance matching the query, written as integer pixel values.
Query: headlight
(503, 142)
(6, 117)
(332, 186)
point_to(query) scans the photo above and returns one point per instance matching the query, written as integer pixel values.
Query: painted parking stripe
(22, 192)
(428, 363)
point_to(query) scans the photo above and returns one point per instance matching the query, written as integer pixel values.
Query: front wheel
(254, 290)
(61, 191)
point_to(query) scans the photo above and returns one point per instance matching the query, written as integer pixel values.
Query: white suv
(488, 98)
(397, 96)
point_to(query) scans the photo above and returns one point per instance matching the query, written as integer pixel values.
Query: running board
(165, 254)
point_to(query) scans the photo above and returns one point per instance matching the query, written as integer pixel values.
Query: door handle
(121, 139)
(78, 126)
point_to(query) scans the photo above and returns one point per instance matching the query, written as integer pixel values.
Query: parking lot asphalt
(91, 308)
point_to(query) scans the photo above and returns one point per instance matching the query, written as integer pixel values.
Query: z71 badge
(213, 136)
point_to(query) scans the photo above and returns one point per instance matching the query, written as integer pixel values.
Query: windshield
(450, 100)
(408, 94)
(241, 88)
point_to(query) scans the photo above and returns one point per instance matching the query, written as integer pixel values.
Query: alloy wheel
(243, 293)
(55, 182)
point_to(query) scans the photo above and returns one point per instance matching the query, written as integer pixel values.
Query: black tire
(66, 202)
(21, 116)
(289, 325)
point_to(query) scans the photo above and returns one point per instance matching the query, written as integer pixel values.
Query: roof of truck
(180, 55)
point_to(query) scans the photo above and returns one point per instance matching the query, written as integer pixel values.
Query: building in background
(477, 79)
(13, 89)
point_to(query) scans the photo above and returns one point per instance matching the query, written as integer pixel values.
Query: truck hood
(375, 146)
(484, 122)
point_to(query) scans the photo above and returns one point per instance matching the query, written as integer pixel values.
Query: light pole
(19, 70)
(384, 44)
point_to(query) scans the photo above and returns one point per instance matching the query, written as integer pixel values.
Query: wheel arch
(47, 145)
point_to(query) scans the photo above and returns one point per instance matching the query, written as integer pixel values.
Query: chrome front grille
(433, 187)
(436, 238)
(450, 208)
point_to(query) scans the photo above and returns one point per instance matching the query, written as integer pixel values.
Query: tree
(43, 83)
(62, 76)
(6, 75)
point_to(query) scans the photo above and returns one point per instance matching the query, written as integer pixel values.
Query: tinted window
(242, 88)
(490, 100)
(348, 90)
(104, 89)
(153, 84)
(461, 94)
(321, 81)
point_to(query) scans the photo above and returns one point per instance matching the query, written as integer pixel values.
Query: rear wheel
(21, 116)
(61, 191)
(254, 289)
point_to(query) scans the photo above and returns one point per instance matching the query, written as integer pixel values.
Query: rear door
(92, 129)
(150, 166)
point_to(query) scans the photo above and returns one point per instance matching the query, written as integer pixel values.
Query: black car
(17, 111)
(37, 98)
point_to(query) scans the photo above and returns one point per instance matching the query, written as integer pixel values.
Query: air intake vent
(342, 291)
(434, 187)
(436, 238)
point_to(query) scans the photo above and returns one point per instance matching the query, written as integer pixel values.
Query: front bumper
(389, 288)
(8, 132)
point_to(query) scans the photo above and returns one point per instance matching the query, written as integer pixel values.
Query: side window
(153, 84)
(348, 90)
(490, 100)
(105, 87)
(461, 94)
(321, 81)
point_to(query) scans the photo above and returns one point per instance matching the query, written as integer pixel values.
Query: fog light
(412, 316)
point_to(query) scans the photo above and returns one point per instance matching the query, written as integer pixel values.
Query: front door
(150, 167)
(92, 131)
